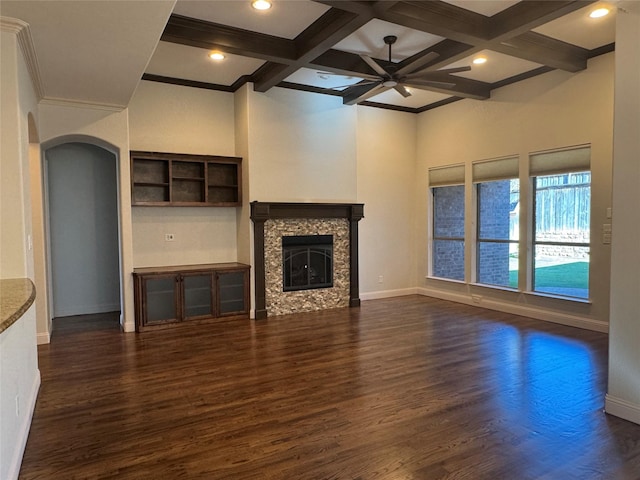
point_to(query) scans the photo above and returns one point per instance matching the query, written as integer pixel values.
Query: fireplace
(307, 262)
(331, 284)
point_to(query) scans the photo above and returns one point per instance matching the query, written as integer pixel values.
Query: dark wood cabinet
(166, 296)
(161, 179)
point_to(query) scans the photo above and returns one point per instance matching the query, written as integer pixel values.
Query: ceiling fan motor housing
(390, 39)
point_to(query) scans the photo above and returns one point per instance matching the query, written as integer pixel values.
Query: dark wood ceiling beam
(501, 33)
(545, 51)
(213, 36)
(525, 16)
(440, 18)
(326, 31)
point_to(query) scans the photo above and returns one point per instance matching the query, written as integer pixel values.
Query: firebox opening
(307, 262)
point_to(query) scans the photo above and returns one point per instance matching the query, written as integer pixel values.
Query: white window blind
(496, 169)
(577, 159)
(449, 175)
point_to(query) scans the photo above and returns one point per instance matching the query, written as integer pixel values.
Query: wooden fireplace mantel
(263, 211)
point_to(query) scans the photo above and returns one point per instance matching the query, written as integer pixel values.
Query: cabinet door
(197, 295)
(232, 298)
(160, 299)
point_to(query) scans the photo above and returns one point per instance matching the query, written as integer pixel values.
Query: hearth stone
(279, 302)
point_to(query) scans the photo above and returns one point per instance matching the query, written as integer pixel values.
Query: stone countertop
(16, 296)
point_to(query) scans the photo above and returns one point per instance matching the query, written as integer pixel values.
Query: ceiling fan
(390, 76)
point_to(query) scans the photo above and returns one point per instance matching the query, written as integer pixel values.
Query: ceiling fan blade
(359, 75)
(419, 63)
(444, 71)
(374, 66)
(356, 94)
(366, 82)
(402, 91)
(425, 84)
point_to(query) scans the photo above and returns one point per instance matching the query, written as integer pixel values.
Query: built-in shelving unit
(166, 296)
(172, 179)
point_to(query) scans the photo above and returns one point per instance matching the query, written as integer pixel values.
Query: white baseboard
(522, 310)
(388, 293)
(622, 408)
(23, 434)
(43, 338)
(128, 327)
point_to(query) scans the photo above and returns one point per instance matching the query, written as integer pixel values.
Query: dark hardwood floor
(403, 388)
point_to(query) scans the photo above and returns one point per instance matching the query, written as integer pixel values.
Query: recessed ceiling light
(216, 56)
(599, 12)
(479, 60)
(261, 4)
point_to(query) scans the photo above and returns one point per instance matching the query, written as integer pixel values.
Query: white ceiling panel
(92, 52)
(316, 78)
(286, 18)
(368, 40)
(189, 63)
(488, 8)
(579, 29)
(498, 66)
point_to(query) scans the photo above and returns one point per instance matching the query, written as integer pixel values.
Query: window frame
(569, 160)
(479, 240)
(452, 175)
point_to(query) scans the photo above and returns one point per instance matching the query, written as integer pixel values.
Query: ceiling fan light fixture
(389, 83)
(217, 56)
(479, 60)
(599, 12)
(261, 4)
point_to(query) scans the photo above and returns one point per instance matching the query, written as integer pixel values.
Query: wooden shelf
(172, 179)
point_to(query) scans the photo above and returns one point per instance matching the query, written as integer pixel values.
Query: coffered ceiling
(96, 51)
(319, 46)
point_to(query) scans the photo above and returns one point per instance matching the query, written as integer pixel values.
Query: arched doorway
(82, 208)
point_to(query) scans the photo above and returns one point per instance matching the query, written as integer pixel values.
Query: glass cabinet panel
(197, 295)
(161, 301)
(231, 292)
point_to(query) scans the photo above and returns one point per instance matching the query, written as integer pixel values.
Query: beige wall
(386, 185)
(554, 110)
(13, 235)
(170, 118)
(60, 123)
(19, 374)
(623, 395)
(302, 147)
(202, 235)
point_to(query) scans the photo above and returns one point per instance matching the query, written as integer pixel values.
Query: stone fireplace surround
(339, 219)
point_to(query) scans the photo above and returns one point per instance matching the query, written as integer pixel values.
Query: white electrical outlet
(476, 299)
(169, 237)
(380, 279)
(17, 405)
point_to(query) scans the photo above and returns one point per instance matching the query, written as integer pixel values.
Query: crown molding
(62, 102)
(23, 33)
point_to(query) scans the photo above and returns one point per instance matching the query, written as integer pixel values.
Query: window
(447, 248)
(562, 205)
(497, 193)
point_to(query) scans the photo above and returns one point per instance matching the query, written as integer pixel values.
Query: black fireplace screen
(307, 262)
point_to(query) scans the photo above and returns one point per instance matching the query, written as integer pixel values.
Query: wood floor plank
(402, 388)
